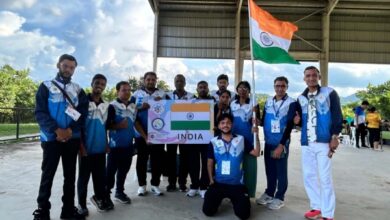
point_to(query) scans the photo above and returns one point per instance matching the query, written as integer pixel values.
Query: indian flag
(271, 38)
(190, 116)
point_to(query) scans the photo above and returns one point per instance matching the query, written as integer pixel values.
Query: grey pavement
(361, 179)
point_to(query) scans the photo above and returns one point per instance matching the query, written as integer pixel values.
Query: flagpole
(253, 76)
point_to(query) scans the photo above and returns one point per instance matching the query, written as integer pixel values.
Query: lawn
(10, 129)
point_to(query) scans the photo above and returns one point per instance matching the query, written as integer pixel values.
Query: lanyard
(227, 146)
(277, 111)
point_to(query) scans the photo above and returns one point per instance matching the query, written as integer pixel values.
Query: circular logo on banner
(265, 39)
(158, 108)
(190, 115)
(158, 124)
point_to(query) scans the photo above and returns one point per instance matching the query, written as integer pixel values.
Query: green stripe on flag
(190, 125)
(271, 54)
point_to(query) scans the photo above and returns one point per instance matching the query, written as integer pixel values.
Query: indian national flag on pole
(190, 116)
(271, 38)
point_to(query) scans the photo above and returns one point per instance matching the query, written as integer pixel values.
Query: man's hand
(211, 182)
(278, 151)
(122, 124)
(145, 106)
(83, 151)
(297, 118)
(334, 143)
(63, 135)
(158, 98)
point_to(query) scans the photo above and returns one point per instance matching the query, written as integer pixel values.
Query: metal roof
(355, 31)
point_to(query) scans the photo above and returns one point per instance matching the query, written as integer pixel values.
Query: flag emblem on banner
(190, 116)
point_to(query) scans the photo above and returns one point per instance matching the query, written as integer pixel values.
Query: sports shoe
(192, 193)
(275, 204)
(156, 191)
(83, 211)
(202, 193)
(99, 204)
(142, 191)
(122, 198)
(264, 199)
(171, 188)
(71, 214)
(108, 203)
(183, 188)
(41, 214)
(327, 218)
(313, 214)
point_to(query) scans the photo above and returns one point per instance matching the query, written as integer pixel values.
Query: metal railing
(17, 123)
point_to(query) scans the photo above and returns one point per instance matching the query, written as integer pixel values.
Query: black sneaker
(71, 214)
(109, 204)
(183, 188)
(171, 188)
(83, 210)
(99, 204)
(41, 214)
(122, 198)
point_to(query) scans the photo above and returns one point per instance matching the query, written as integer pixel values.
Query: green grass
(386, 135)
(10, 129)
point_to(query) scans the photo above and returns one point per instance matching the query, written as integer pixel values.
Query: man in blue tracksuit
(92, 157)
(61, 109)
(277, 121)
(120, 122)
(321, 119)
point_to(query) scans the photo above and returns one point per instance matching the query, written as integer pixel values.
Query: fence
(17, 123)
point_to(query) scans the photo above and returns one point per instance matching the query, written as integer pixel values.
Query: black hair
(99, 76)
(281, 78)
(120, 84)
(365, 102)
(372, 109)
(150, 73)
(245, 83)
(223, 76)
(312, 68)
(224, 116)
(227, 92)
(67, 57)
(202, 82)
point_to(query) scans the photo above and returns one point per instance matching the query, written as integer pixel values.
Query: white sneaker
(156, 191)
(202, 193)
(264, 199)
(275, 204)
(192, 192)
(142, 191)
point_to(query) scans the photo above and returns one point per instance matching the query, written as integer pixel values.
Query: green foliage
(109, 94)
(378, 96)
(137, 83)
(348, 109)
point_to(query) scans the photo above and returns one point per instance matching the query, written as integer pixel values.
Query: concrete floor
(361, 180)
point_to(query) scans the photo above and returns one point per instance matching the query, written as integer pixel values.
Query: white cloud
(10, 23)
(17, 4)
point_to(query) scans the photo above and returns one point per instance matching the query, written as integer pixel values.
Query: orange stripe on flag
(190, 107)
(270, 24)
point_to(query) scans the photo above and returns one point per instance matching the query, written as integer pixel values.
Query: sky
(115, 37)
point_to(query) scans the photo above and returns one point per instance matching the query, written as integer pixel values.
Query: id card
(275, 126)
(73, 113)
(225, 167)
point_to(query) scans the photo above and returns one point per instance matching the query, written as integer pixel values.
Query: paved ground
(361, 179)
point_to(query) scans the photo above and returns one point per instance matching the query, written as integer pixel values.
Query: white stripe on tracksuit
(317, 178)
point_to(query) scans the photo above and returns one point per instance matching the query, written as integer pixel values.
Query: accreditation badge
(225, 167)
(275, 126)
(73, 113)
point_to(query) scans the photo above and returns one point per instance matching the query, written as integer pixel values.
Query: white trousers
(317, 178)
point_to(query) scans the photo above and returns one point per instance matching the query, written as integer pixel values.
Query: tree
(378, 96)
(138, 83)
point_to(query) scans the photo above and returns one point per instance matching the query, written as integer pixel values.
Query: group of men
(72, 123)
